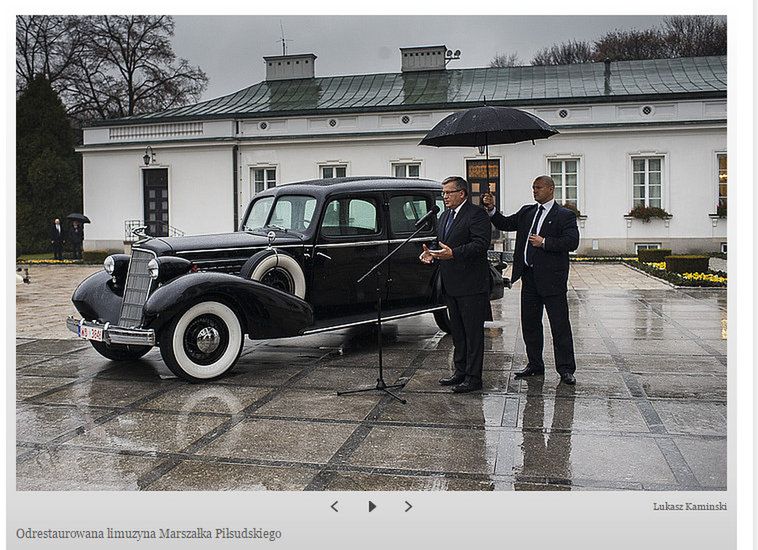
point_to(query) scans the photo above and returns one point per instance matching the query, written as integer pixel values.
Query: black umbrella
(78, 218)
(485, 126)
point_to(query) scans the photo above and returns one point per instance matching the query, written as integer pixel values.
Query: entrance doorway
(476, 175)
(155, 197)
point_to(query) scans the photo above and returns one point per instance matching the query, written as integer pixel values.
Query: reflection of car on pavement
(291, 269)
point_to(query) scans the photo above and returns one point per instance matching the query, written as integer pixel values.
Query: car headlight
(109, 265)
(152, 268)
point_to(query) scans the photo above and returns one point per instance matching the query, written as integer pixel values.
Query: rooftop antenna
(282, 39)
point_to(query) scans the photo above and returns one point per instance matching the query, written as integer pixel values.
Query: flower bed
(658, 269)
(46, 261)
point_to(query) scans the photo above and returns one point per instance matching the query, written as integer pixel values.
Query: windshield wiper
(274, 226)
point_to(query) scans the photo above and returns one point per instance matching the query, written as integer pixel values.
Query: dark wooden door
(155, 183)
(476, 174)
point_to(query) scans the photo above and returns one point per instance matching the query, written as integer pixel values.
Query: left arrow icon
(334, 506)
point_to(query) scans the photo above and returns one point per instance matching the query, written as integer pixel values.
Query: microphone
(428, 216)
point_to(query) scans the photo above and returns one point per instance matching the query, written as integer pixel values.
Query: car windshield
(290, 212)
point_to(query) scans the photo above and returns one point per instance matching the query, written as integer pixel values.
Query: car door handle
(323, 255)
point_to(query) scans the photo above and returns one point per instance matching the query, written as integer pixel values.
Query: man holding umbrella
(545, 234)
(76, 235)
(464, 237)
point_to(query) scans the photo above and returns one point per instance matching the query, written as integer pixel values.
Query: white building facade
(650, 133)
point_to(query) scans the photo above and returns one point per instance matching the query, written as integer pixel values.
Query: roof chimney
(424, 58)
(607, 76)
(290, 67)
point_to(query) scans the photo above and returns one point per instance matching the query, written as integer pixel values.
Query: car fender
(265, 312)
(98, 299)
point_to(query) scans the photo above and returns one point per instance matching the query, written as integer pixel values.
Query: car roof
(323, 187)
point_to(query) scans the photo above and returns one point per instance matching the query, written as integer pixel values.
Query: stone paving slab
(648, 411)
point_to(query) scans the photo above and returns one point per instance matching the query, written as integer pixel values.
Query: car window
(405, 211)
(293, 212)
(258, 213)
(350, 217)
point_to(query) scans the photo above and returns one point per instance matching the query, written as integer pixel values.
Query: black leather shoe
(452, 380)
(568, 378)
(467, 387)
(530, 371)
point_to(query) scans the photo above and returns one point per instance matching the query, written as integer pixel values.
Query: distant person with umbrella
(57, 237)
(545, 234)
(463, 239)
(76, 236)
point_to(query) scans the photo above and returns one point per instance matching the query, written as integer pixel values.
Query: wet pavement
(648, 411)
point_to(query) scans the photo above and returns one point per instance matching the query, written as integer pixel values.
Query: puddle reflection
(546, 455)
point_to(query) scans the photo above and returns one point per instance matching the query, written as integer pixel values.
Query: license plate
(91, 333)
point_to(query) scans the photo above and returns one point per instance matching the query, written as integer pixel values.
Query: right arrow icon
(409, 505)
(371, 506)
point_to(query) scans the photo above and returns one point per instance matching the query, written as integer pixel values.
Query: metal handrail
(131, 225)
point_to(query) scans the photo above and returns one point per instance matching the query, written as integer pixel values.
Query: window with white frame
(565, 174)
(406, 169)
(722, 177)
(263, 178)
(646, 246)
(647, 181)
(333, 170)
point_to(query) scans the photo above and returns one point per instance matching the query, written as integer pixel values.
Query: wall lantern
(149, 156)
(481, 149)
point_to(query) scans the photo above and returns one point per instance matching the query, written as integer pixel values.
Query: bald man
(545, 234)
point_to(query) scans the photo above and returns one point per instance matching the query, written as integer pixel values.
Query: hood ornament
(141, 233)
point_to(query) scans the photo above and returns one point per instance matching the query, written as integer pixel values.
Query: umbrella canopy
(78, 218)
(487, 125)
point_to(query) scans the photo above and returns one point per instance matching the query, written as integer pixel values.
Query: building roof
(695, 77)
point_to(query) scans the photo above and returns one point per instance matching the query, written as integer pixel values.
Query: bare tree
(47, 46)
(695, 35)
(573, 51)
(107, 66)
(622, 45)
(506, 60)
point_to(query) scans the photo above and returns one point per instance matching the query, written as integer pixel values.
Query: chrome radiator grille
(138, 283)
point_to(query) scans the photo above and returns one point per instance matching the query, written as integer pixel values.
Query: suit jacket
(55, 236)
(469, 237)
(551, 262)
(76, 235)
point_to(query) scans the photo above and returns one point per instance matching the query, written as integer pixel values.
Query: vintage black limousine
(291, 269)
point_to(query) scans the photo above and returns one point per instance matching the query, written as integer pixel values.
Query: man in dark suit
(56, 239)
(545, 234)
(463, 236)
(76, 236)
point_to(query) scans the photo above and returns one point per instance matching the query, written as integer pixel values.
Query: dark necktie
(448, 224)
(529, 247)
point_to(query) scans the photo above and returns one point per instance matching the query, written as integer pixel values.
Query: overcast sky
(230, 49)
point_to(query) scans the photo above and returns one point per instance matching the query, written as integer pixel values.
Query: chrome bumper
(115, 335)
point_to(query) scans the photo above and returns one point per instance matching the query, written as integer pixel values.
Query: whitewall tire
(277, 270)
(202, 343)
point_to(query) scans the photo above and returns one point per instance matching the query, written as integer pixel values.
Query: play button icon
(371, 506)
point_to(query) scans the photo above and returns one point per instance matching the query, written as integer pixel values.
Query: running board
(364, 320)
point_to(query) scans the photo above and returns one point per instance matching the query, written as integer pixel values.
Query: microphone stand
(381, 385)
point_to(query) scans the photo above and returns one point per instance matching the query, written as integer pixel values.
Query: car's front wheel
(202, 343)
(118, 352)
